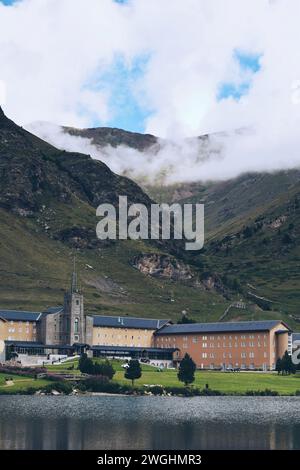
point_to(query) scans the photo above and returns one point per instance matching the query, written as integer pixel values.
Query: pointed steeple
(74, 286)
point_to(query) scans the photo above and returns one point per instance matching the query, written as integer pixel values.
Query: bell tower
(74, 327)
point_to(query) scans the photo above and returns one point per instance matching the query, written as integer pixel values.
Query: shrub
(96, 383)
(61, 387)
(87, 366)
(157, 390)
(26, 371)
(262, 393)
(105, 369)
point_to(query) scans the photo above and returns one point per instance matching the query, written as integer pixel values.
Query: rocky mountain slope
(47, 205)
(252, 229)
(48, 199)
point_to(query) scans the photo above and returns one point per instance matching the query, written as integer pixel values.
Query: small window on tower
(76, 325)
(77, 302)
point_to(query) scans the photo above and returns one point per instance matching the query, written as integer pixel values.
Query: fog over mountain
(219, 156)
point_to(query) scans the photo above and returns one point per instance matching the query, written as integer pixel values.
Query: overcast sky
(168, 67)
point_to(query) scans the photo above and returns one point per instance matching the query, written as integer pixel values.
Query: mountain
(103, 136)
(252, 227)
(48, 199)
(47, 205)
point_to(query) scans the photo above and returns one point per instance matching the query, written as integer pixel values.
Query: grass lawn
(223, 381)
(21, 383)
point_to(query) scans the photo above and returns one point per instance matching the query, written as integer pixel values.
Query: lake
(155, 423)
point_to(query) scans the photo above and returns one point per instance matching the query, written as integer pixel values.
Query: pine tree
(186, 373)
(134, 371)
(86, 365)
(278, 367)
(287, 365)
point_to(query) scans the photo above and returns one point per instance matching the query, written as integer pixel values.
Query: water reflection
(149, 423)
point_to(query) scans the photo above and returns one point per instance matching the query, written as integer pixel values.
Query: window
(204, 345)
(251, 355)
(243, 345)
(195, 339)
(204, 355)
(204, 337)
(212, 355)
(251, 344)
(77, 302)
(76, 325)
(243, 355)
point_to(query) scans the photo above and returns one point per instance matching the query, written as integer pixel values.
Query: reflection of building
(67, 330)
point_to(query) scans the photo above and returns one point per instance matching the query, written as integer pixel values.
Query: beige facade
(134, 337)
(219, 350)
(13, 330)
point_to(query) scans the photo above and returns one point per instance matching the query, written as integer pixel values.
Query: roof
(18, 315)
(51, 310)
(219, 327)
(28, 344)
(129, 322)
(35, 344)
(131, 349)
(296, 337)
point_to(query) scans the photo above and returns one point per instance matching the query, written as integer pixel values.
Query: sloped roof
(264, 325)
(131, 349)
(19, 315)
(51, 310)
(128, 322)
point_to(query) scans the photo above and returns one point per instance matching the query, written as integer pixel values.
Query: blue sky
(248, 63)
(120, 82)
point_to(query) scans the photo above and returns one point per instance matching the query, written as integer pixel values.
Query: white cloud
(50, 50)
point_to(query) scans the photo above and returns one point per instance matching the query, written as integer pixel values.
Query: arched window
(76, 325)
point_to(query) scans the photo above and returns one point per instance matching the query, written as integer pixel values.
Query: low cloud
(216, 157)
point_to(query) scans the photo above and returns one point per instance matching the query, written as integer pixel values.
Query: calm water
(115, 422)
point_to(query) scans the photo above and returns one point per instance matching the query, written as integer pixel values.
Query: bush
(104, 369)
(61, 387)
(96, 384)
(157, 390)
(262, 393)
(26, 371)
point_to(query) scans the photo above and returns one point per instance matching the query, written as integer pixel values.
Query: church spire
(74, 286)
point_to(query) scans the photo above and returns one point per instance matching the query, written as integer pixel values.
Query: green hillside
(47, 205)
(48, 199)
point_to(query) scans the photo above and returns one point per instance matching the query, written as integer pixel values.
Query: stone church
(67, 324)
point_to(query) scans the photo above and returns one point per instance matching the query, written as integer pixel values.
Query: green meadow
(227, 382)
